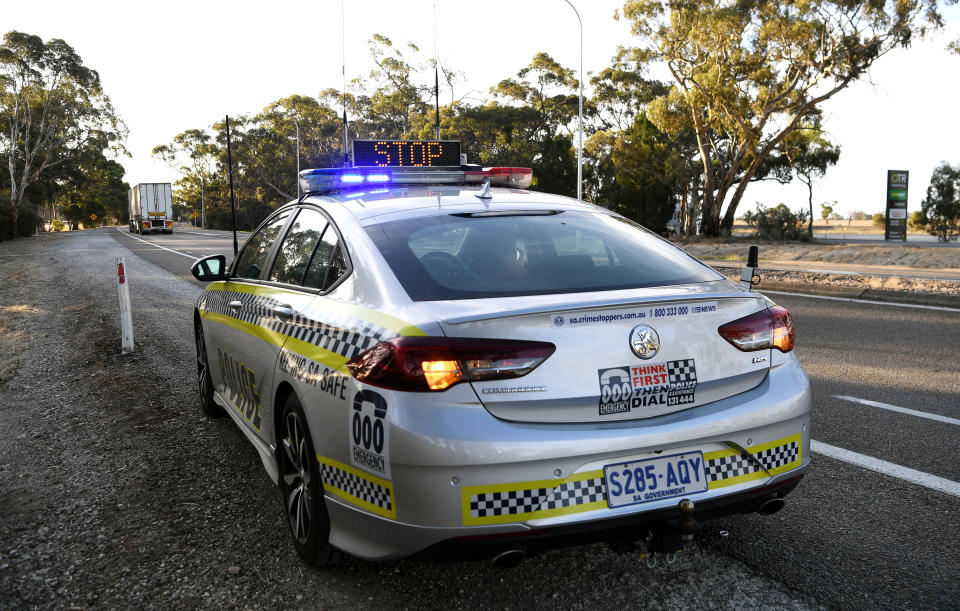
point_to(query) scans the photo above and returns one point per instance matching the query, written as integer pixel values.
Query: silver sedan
(465, 370)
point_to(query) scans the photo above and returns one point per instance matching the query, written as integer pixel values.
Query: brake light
(770, 328)
(437, 363)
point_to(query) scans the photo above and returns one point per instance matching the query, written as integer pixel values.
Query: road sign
(896, 224)
(93, 217)
(195, 215)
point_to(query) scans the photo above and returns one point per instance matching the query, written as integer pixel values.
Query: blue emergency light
(325, 180)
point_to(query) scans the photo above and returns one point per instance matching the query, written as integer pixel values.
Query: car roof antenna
(484, 190)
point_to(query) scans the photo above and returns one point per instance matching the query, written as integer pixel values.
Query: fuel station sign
(896, 225)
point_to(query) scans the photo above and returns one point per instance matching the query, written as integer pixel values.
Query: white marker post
(126, 322)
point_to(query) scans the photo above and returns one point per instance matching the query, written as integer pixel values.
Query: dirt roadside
(905, 255)
(116, 493)
(884, 284)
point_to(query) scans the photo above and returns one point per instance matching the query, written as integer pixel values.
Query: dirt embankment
(925, 257)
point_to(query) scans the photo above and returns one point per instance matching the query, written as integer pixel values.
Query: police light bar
(326, 180)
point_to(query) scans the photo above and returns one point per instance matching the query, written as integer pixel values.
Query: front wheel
(205, 383)
(302, 490)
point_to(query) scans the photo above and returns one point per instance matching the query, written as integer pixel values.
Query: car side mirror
(210, 268)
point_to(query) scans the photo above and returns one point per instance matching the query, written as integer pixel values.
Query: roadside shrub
(879, 220)
(27, 221)
(778, 223)
(917, 220)
(57, 225)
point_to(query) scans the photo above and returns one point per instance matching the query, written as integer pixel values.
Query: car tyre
(302, 489)
(208, 406)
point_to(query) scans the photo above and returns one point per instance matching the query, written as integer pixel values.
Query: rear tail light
(770, 328)
(437, 363)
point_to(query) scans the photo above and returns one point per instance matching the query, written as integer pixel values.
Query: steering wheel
(443, 265)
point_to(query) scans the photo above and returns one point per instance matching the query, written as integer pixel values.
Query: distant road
(821, 267)
(877, 238)
(839, 237)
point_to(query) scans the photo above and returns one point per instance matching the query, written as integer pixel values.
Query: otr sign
(896, 226)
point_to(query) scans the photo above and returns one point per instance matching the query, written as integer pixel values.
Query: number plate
(652, 479)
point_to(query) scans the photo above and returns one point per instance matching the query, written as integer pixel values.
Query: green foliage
(941, 206)
(53, 115)
(778, 223)
(879, 220)
(748, 74)
(826, 210)
(644, 176)
(917, 220)
(57, 225)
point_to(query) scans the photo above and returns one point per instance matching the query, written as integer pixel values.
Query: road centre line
(907, 474)
(902, 410)
(867, 301)
(841, 272)
(182, 254)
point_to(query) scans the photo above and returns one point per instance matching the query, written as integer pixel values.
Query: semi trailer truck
(151, 208)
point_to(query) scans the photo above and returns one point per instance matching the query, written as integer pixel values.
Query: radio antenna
(233, 201)
(436, 73)
(343, 94)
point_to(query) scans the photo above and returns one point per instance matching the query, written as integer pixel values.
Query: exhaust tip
(509, 559)
(771, 506)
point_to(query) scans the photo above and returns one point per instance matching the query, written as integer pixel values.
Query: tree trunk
(809, 182)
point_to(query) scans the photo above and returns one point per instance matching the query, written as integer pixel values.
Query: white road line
(869, 301)
(841, 272)
(182, 254)
(907, 474)
(902, 410)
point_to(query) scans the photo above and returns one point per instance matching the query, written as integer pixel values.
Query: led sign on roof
(406, 153)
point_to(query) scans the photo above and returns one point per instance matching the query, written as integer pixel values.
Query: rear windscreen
(474, 256)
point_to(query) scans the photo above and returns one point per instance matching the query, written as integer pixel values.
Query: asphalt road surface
(881, 535)
(873, 525)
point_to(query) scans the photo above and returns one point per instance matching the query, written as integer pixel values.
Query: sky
(177, 65)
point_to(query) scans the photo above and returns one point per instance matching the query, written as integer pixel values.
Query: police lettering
(241, 387)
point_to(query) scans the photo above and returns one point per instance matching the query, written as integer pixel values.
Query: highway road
(875, 523)
(115, 492)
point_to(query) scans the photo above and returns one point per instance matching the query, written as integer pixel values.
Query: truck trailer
(151, 208)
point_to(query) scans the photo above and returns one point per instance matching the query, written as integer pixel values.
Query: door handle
(235, 305)
(283, 311)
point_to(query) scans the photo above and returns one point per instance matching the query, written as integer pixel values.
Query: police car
(433, 361)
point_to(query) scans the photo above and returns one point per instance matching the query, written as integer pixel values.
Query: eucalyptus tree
(941, 206)
(753, 71)
(52, 109)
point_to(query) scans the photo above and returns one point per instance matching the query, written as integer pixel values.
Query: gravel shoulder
(903, 255)
(115, 492)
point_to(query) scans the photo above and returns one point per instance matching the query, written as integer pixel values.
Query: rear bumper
(461, 478)
(628, 528)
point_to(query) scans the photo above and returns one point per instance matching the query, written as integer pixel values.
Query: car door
(243, 340)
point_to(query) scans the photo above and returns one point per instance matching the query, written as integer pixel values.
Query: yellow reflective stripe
(310, 351)
(386, 321)
(343, 494)
(332, 360)
(550, 485)
(263, 333)
(732, 481)
(748, 477)
(756, 449)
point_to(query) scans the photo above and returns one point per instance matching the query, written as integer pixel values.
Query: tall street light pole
(297, 124)
(580, 113)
